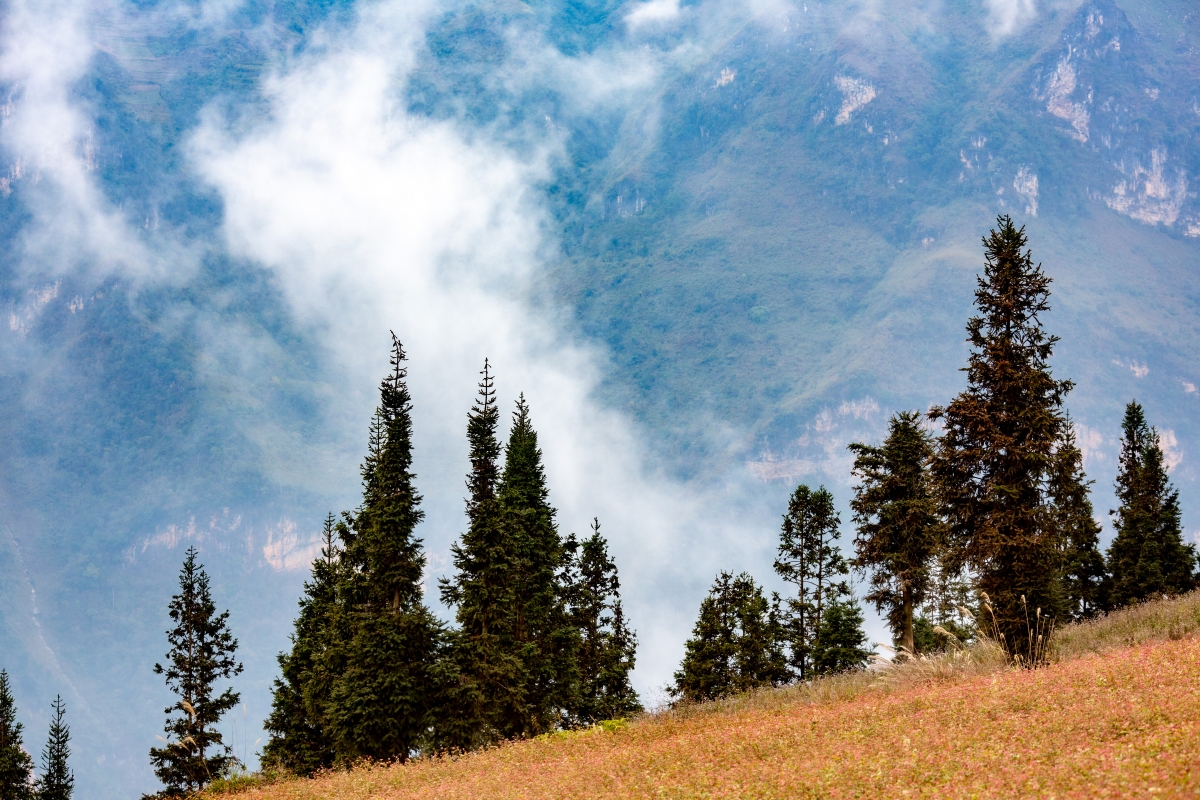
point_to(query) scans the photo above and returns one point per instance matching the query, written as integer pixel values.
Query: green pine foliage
(543, 639)
(57, 782)
(1083, 570)
(841, 643)
(1000, 435)
(299, 740)
(899, 530)
(737, 643)
(16, 765)
(202, 652)
(809, 558)
(486, 691)
(607, 647)
(384, 701)
(1147, 557)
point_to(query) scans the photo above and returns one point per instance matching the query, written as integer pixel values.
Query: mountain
(713, 242)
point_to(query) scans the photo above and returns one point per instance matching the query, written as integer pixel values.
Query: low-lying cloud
(375, 219)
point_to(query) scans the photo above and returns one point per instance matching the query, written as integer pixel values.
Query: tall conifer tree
(57, 782)
(299, 739)
(384, 702)
(202, 652)
(809, 558)
(1147, 557)
(997, 449)
(16, 766)
(607, 648)
(545, 641)
(490, 689)
(899, 530)
(736, 645)
(1083, 571)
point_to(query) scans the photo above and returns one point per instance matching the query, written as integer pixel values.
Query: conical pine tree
(544, 639)
(841, 641)
(1147, 557)
(607, 648)
(736, 645)
(16, 766)
(299, 740)
(385, 701)
(57, 782)
(899, 529)
(809, 559)
(202, 652)
(488, 690)
(997, 448)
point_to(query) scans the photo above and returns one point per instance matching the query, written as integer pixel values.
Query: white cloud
(1168, 443)
(45, 49)
(374, 219)
(1006, 16)
(653, 12)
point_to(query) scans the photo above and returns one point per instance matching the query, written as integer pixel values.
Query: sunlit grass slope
(1117, 716)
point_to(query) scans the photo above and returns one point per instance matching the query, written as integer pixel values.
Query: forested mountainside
(712, 242)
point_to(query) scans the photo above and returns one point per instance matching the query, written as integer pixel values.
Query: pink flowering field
(1125, 723)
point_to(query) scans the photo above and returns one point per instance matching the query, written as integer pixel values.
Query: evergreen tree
(202, 651)
(736, 645)
(544, 640)
(841, 642)
(57, 781)
(488, 692)
(16, 766)
(1147, 557)
(809, 558)
(1083, 572)
(999, 440)
(299, 739)
(896, 513)
(607, 648)
(384, 701)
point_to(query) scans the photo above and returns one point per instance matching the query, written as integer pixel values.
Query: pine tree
(809, 558)
(543, 638)
(487, 694)
(57, 782)
(899, 530)
(1147, 557)
(998, 444)
(383, 703)
(736, 644)
(202, 651)
(300, 742)
(841, 642)
(607, 648)
(16, 765)
(1083, 572)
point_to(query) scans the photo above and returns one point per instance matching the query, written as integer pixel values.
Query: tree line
(976, 510)
(990, 519)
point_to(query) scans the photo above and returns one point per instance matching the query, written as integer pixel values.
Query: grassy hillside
(1114, 717)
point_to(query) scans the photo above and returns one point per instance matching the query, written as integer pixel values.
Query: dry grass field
(1117, 715)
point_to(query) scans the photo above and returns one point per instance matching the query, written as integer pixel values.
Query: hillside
(1115, 717)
